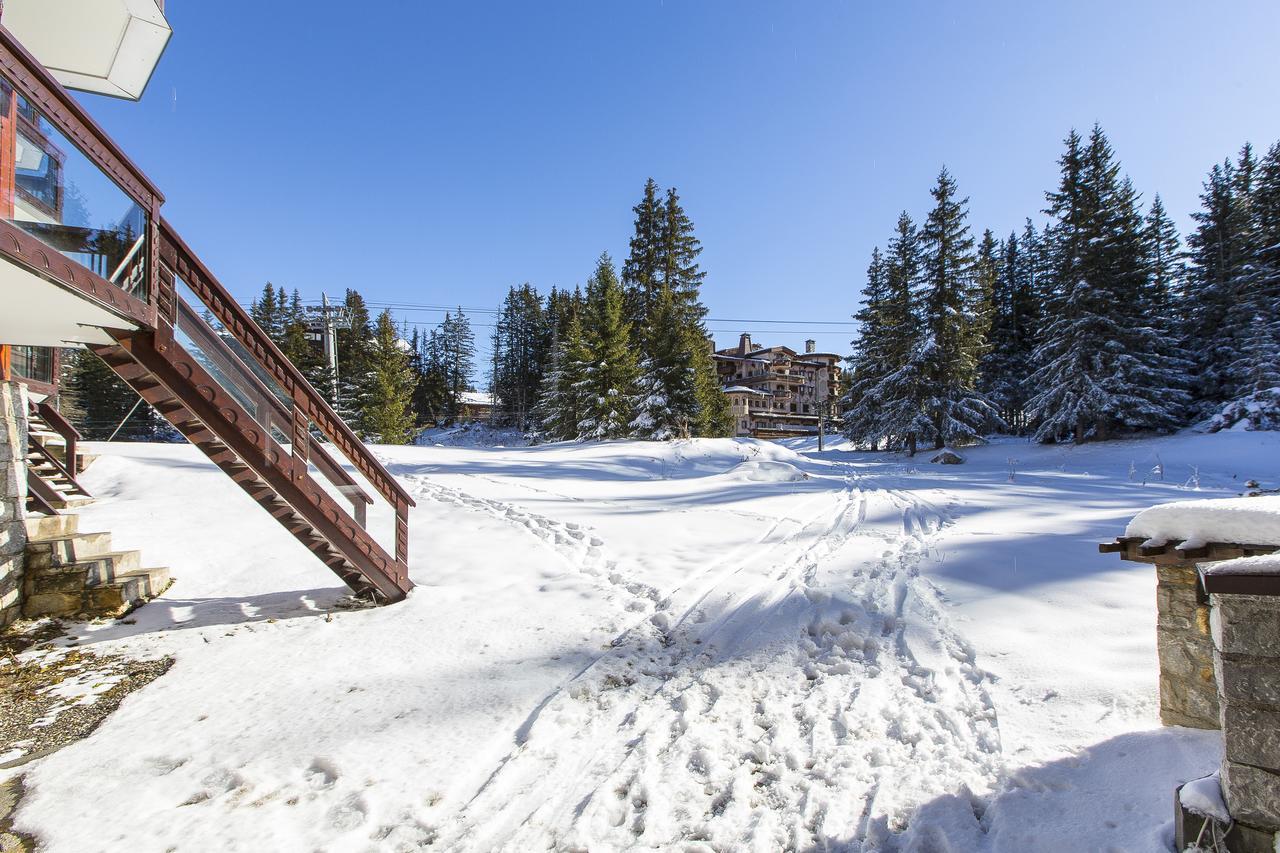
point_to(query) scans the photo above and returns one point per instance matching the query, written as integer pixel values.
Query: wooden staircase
(53, 462)
(272, 493)
(79, 575)
(191, 351)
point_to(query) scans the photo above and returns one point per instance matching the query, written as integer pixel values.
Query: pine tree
(458, 353)
(714, 415)
(869, 362)
(387, 404)
(668, 404)
(609, 385)
(641, 271)
(560, 404)
(1101, 367)
(678, 260)
(353, 343)
(1011, 337)
(266, 311)
(97, 402)
(679, 272)
(887, 392)
(431, 394)
(954, 314)
(518, 356)
(1166, 267)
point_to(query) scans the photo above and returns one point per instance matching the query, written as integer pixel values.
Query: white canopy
(105, 46)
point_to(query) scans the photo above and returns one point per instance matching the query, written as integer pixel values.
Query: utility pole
(330, 319)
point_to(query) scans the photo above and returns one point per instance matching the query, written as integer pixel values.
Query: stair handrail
(62, 427)
(336, 474)
(180, 260)
(46, 454)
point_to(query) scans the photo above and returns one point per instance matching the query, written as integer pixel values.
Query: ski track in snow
(804, 691)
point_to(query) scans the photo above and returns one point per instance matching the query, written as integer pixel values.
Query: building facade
(776, 392)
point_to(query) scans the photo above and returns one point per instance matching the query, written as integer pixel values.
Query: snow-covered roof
(742, 389)
(475, 398)
(1250, 521)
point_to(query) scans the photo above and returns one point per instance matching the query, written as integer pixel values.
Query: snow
(1267, 564)
(630, 645)
(475, 398)
(1250, 520)
(1204, 797)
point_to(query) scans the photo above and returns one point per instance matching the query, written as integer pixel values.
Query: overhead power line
(440, 309)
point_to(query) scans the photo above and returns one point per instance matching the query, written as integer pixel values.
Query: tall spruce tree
(353, 342)
(458, 357)
(667, 405)
(891, 392)
(609, 385)
(1010, 339)
(387, 404)
(870, 360)
(1101, 368)
(560, 403)
(954, 318)
(641, 272)
(518, 356)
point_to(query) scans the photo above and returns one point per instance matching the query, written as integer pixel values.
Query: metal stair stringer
(180, 390)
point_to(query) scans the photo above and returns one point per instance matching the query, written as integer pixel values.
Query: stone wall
(1246, 658)
(13, 490)
(1188, 692)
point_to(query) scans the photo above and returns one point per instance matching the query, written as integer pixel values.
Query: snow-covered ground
(708, 645)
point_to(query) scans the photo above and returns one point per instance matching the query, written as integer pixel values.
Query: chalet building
(87, 259)
(775, 392)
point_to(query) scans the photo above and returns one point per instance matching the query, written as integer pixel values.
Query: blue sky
(436, 153)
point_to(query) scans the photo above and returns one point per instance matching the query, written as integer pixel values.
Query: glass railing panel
(238, 373)
(208, 346)
(53, 191)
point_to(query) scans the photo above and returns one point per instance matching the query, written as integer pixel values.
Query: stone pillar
(13, 494)
(1246, 639)
(1188, 693)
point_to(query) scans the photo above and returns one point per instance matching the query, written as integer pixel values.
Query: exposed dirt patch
(52, 695)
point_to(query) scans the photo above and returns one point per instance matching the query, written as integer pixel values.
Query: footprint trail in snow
(804, 692)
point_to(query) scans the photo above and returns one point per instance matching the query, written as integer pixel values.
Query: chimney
(811, 345)
(744, 343)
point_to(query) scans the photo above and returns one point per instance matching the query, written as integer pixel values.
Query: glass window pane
(51, 190)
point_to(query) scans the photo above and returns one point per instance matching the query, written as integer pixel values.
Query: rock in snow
(948, 457)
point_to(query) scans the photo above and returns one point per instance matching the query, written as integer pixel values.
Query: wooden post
(6, 363)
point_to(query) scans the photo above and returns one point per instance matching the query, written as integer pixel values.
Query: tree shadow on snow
(1116, 795)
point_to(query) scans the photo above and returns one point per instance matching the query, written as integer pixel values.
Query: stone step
(71, 502)
(50, 526)
(152, 581)
(93, 570)
(115, 598)
(64, 550)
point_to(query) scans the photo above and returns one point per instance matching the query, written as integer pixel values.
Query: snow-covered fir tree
(560, 401)
(641, 270)
(1102, 365)
(609, 385)
(954, 310)
(667, 404)
(1011, 337)
(387, 404)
